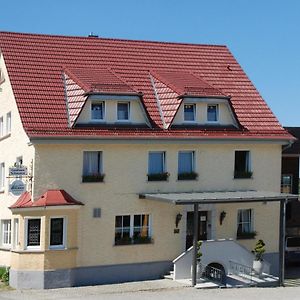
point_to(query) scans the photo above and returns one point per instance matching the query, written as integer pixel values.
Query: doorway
(202, 231)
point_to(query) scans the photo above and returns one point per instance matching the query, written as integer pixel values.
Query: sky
(263, 35)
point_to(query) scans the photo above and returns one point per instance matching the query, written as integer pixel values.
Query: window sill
(4, 248)
(243, 177)
(62, 247)
(2, 191)
(134, 243)
(5, 136)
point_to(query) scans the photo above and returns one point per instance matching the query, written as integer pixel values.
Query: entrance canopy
(217, 197)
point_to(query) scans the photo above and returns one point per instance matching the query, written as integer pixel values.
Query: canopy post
(195, 241)
(282, 241)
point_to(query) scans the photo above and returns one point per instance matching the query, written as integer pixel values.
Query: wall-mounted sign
(17, 187)
(18, 171)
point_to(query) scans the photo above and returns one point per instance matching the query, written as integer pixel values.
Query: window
(16, 233)
(189, 112)
(92, 166)
(186, 165)
(5, 233)
(33, 233)
(57, 232)
(123, 111)
(97, 111)
(8, 123)
(286, 183)
(212, 113)
(2, 176)
(132, 229)
(19, 161)
(1, 127)
(2, 79)
(245, 224)
(242, 164)
(156, 166)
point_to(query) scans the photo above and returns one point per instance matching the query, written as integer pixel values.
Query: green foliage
(2, 271)
(4, 274)
(259, 250)
(199, 253)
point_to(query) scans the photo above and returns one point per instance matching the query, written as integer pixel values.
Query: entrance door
(202, 231)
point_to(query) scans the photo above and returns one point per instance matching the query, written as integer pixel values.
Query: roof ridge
(112, 39)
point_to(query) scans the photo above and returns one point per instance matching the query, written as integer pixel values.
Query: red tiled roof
(35, 65)
(98, 81)
(50, 198)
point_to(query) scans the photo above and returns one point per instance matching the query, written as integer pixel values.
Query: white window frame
(27, 247)
(64, 245)
(8, 123)
(2, 176)
(217, 113)
(16, 230)
(103, 109)
(1, 127)
(129, 111)
(131, 229)
(251, 219)
(4, 232)
(164, 161)
(194, 112)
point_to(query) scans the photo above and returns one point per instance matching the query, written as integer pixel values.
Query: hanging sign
(18, 171)
(17, 187)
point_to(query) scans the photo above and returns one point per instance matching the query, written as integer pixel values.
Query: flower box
(246, 235)
(158, 176)
(93, 178)
(243, 174)
(187, 176)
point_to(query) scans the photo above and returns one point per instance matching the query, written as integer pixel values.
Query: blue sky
(263, 35)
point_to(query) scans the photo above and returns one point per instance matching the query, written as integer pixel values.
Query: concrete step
(292, 282)
(253, 280)
(169, 276)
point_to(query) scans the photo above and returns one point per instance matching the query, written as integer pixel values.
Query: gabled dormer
(185, 99)
(99, 97)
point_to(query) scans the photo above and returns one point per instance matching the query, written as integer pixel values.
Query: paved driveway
(156, 289)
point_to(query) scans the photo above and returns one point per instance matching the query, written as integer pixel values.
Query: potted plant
(259, 251)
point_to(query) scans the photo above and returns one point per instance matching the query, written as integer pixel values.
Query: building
(107, 146)
(290, 181)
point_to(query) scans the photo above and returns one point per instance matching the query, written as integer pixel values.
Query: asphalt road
(158, 289)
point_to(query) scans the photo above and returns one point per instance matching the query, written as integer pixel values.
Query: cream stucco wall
(44, 257)
(125, 167)
(136, 115)
(224, 113)
(11, 147)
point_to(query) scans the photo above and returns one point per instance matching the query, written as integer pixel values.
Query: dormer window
(189, 112)
(123, 111)
(212, 113)
(97, 111)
